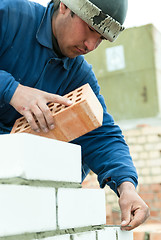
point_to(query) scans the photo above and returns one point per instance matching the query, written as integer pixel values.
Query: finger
(30, 119)
(125, 212)
(39, 115)
(125, 226)
(133, 224)
(47, 115)
(140, 215)
(58, 99)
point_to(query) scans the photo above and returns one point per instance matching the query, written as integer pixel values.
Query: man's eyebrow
(102, 37)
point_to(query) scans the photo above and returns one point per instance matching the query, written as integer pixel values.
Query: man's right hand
(31, 102)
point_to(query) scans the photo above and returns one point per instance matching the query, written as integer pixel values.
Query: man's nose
(92, 43)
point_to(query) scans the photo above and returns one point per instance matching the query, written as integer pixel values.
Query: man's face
(74, 36)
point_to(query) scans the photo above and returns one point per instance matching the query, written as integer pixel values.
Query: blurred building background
(129, 73)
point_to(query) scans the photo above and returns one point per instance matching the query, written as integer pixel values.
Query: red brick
(144, 188)
(84, 115)
(153, 213)
(147, 196)
(138, 235)
(155, 187)
(109, 219)
(91, 181)
(116, 218)
(155, 236)
(159, 195)
(157, 204)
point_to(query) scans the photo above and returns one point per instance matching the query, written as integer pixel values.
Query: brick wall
(145, 147)
(41, 196)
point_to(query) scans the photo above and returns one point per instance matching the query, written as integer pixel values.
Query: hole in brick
(58, 105)
(79, 90)
(17, 130)
(27, 125)
(51, 108)
(79, 95)
(22, 119)
(19, 125)
(70, 95)
(77, 100)
(51, 105)
(57, 110)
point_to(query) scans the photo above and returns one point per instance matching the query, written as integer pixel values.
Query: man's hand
(134, 211)
(31, 102)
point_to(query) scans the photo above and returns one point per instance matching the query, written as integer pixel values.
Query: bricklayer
(83, 116)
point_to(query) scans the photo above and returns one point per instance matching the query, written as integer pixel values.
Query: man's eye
(92, 30)
(103, 38)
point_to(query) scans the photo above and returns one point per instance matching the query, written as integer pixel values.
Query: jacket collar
(44, 35)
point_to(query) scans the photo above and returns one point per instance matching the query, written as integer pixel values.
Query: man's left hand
(134, 211)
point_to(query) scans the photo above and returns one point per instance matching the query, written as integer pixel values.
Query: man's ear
(62, 8)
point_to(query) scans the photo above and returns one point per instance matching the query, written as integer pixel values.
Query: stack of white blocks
(41, 196)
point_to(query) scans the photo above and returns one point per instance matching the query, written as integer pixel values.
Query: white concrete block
(39, 158)
(26, 209)
(124, 235)
(60, 237)
(81, 207)
(107, 233)
(85, 236)
(114, 233)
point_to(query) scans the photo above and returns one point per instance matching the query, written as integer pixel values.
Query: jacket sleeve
(104, 150)
(8, 84)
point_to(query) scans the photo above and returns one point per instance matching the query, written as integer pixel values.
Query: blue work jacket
(27, 57)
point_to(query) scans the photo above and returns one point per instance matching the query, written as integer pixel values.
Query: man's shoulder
(18, 5)
(84, 66)
(80, 60)
(17, 11)
(12, 3)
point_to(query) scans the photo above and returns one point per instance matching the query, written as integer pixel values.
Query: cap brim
(104, 24)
